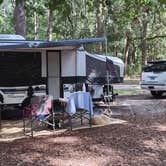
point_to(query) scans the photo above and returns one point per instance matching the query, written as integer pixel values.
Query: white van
(153, 77)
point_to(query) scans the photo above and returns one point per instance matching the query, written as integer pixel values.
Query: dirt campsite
(135, 136)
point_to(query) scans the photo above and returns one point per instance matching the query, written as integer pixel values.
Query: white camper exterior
(15, 95)
(60, 63)
(61, 69)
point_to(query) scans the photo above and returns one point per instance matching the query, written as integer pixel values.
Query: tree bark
(50, 24)
(36, 26)
(100, 24)
(19, 16)
(127, 49)
(143, 41)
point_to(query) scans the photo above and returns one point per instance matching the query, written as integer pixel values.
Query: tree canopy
(135, 29)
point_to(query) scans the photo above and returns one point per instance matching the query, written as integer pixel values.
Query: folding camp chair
(80, 106)
(59, 110)
(40, 110)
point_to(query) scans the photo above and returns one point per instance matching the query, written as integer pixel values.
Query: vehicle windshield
(155, 67)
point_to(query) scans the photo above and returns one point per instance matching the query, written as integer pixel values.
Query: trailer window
(20, 69)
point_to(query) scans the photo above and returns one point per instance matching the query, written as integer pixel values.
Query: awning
(26, 44)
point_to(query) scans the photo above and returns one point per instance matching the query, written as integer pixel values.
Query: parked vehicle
(153, 77)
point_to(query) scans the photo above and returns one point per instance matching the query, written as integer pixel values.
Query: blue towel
(79, 100)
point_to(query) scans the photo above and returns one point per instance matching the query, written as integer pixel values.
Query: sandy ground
(136, 136)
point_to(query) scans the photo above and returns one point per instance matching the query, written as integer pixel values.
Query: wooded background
(135, 29)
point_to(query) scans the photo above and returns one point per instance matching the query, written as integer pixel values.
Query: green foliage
(6, 18)
(121, 20)
(63, 7)
(133, 70)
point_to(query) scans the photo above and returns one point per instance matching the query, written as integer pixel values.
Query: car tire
(156, 94)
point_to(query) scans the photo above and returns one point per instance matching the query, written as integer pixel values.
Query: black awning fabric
(20, 68)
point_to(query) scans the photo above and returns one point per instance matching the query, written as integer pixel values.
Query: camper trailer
(59, 65)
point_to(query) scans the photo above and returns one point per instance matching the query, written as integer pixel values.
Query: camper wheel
(1, 98)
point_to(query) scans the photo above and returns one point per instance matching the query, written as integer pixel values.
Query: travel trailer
(55, 64)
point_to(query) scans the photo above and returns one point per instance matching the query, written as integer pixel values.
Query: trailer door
(53, 73)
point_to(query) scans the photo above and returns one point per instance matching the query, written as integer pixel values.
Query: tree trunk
(36, 25)
(50, 24)
(100, 24)
(133, 53)
(19, 16)
(127, 50)
(143, 41)
(116, 51)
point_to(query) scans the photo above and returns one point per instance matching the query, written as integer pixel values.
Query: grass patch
(131, 82)
(128, 91)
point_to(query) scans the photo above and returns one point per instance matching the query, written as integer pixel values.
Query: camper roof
(103, 58)
(18, 42)
(11, 37)
(115, 59)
